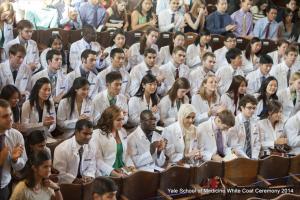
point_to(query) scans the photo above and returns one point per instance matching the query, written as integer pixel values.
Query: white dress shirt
(12, 139)
(275, 57)
(165, 20)
(292, 129)
(193, 53)
(254, 80)
(221, 60)
(66, 160)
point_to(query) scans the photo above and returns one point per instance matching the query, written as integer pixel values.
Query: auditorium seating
(238, 173)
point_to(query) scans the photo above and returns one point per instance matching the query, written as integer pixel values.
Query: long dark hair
(180, 83)
(148, 78)
(143, 39)
(34, 94)
(139, 9)
(117, 32)
(8, 91)
(37, 160)
(249, 46)
(263, 94)
(34, 137)
(58, 37)
(233, 91)
(204, 32)
(78, 83)
(171, 45)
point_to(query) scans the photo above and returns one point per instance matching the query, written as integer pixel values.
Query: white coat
(292, 130)
(168, 113)
(237, 137)
(228, 102)
(136, 105)
(93, 80)
(76, 50)
(288, 107)
(202, 107)
(61, 82)
(22, 80)
(207, 139)
(66, 122)
(268, 134)
(30, 118)
(169, 72)
(225, 75)
(196, 78)
(125, 79)
(8, 33)
(249, 65)
(275, 57)
(220, 58)
(32, 52)
(193, 53)
(139, 150)
(107, 150)
(164, 55)
(101, 102)
(66, 160)
(254, 81)
(280, 72)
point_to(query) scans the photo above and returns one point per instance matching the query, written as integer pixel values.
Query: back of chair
(242, 43)
(87, 189)
(75, 35)
(274, 167)
(175, 177)
(268, 46)
(119, 182)
(164, 39)
(295, 165)
(288, 197)
(133, 37)
(190, 37)
(241, 171)
(52, 146)
(217, 42)
(207, 170)
(140, 185)
(71, 191)
(104, 38)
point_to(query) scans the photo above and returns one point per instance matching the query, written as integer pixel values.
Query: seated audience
(195, 18)
(143, 16)
(116, 16)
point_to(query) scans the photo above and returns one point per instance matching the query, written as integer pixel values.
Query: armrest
(165, 196)
(229, 182)
(295, 177)
(124, 197)
(259, 177)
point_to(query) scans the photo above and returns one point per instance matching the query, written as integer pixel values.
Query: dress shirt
(87, 12)
(216, 22)
(260, 29)
(238, 18)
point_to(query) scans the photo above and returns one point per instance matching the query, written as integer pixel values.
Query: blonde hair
(202, 91)
(295, 76)
(6, 6)
(196, 4)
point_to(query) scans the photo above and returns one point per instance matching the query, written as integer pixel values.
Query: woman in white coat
(165, 52)
(195, 51)
(74, 105)
(170, 104)
(136, 51)
(271, 128)
(251, 55)
(207, 100)
(7, 15)
(290, 97)
(233, 95)
(181, 136)
(38, 112)
(145, 99)
(111, 141)
(278, 55)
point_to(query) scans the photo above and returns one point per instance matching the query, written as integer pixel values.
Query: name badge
(87, 159)
(92, 83)
(87, 111)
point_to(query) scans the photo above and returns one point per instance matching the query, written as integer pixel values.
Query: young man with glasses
(244, 137)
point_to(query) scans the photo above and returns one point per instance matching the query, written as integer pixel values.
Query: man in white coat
(111, 96)
(175, 68)
(75, 158)
(86, 70)
(147, 66)
(283, 71)
(117, 56)
(145, 146)
(197, 76)
(229, 43)
(244, 137)
(292, 129)
(88, 41)
(55, 74)
(212, 136)
(256, 77)
(13, 72)
(225, 74)
(25, 30)
(277, 56)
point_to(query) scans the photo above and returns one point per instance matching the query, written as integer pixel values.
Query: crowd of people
(117, 110)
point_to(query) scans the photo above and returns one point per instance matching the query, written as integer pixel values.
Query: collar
(22, 41)
(85, 42)
(110, 97)
(172, 12)
(51, 73)
(219, 13)
(242, 118)
(213, 123)
(245, 13)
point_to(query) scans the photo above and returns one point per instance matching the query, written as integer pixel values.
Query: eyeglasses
(251, 107)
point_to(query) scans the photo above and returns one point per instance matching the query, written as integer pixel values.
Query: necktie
(294, 97)
(172, 21)
(244, 25)
(234, 73)
(53, 83)
(112, 101)
(95, 19)
(80, 152)
(177, 73)
(2, 139)
(288, 76)
(268, 30)
(220, 147)
(248, 138)
(15, 73)
(149, 72)
(263, 78)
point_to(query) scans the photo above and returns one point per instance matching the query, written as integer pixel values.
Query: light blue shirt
(87, 12)
(260, 29)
